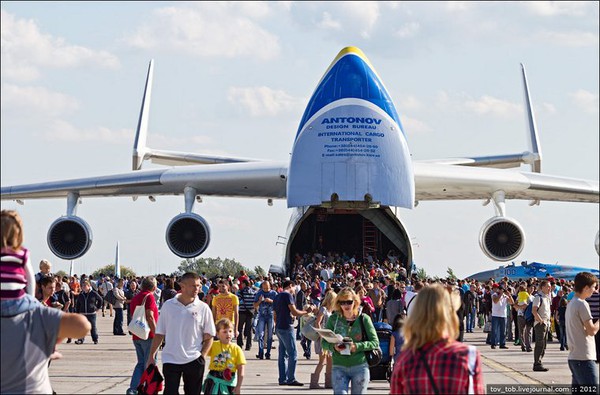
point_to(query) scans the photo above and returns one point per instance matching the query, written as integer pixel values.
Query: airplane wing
(255, 179)
(269, 179)
(447, 182)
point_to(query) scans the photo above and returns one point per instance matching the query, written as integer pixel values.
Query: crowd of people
(196, 321)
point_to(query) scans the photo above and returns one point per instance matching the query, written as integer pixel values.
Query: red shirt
(449, 367)
(150, 305)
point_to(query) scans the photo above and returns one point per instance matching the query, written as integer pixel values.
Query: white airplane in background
(350, 165)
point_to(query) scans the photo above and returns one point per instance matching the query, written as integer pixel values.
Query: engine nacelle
(501, 238)
(69, 237)
(188, 235)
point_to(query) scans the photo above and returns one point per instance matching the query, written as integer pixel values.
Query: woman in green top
(349, 361)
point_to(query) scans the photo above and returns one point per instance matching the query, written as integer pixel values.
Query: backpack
(110, 297)
(528, 314)
(151, 381)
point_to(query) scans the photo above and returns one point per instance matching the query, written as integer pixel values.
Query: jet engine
(501, 238)
(188, 235)
(69, 237)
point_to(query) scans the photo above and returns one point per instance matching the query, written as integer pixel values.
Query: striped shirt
(13, 273)
(594, 302)
(246, 296)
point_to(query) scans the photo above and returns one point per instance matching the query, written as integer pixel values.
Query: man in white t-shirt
(580, 335)
(188, 324)
(501, 297)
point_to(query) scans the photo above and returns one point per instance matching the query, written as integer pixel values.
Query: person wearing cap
(500, 298)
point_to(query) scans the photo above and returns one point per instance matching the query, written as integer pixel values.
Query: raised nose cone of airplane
(350, 75)
(350, 146)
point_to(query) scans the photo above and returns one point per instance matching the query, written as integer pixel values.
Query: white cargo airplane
(350, 165)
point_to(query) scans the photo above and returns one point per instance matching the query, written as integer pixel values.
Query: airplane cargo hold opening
(355, 232)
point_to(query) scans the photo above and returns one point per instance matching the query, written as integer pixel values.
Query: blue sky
(233, 79)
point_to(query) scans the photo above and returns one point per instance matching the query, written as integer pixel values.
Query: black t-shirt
(282, 309)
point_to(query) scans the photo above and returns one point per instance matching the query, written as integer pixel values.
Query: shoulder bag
(139, 324)
(373, 356)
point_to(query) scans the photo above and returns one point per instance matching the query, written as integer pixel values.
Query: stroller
(383, 371)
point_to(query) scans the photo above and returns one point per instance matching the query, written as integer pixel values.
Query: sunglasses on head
(346, 302)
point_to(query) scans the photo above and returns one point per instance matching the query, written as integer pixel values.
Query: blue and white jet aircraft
(350, 166)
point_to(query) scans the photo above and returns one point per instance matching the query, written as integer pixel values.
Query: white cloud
(61, 130)
(571, 39)
(35, 100)
(408, 102)
(408, 30)
(362, 14)
(559, 8)
(491, 105)
(348, 20)
(263, 101)
(548, 108)
(414, 126)
(200, 31)
(25, 49)
(588, 101)
(328, 22)
(485, 105)
(58, 129)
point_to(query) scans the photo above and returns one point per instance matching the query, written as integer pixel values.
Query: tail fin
(139, 146)
(534, 146)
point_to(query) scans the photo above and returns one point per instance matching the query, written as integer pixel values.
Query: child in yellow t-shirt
(227, 360)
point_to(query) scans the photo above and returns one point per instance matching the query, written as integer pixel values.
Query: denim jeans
(118, 322)
(499, 331)
(563, 334)
(264, 325)
(287, 350)
(13, 307)
(142, 350)
(358, 375)
(92, 319)
(471, 315)
(583, 373)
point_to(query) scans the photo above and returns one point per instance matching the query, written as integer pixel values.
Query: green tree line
(214, 267)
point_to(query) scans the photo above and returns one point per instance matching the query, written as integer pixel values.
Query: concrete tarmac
(106, 367)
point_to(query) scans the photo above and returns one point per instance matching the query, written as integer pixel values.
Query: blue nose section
(349, 76)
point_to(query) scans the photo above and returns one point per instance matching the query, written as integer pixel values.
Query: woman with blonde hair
(324, 356)
(349, 360)
(432, 362)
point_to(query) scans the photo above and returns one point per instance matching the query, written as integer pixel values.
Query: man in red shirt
(142, 347)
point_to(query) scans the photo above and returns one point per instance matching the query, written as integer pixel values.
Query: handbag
(308, 330)
(487, 328)
(373, 356)
(139, 325)
(110, 297)
(151, 382)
